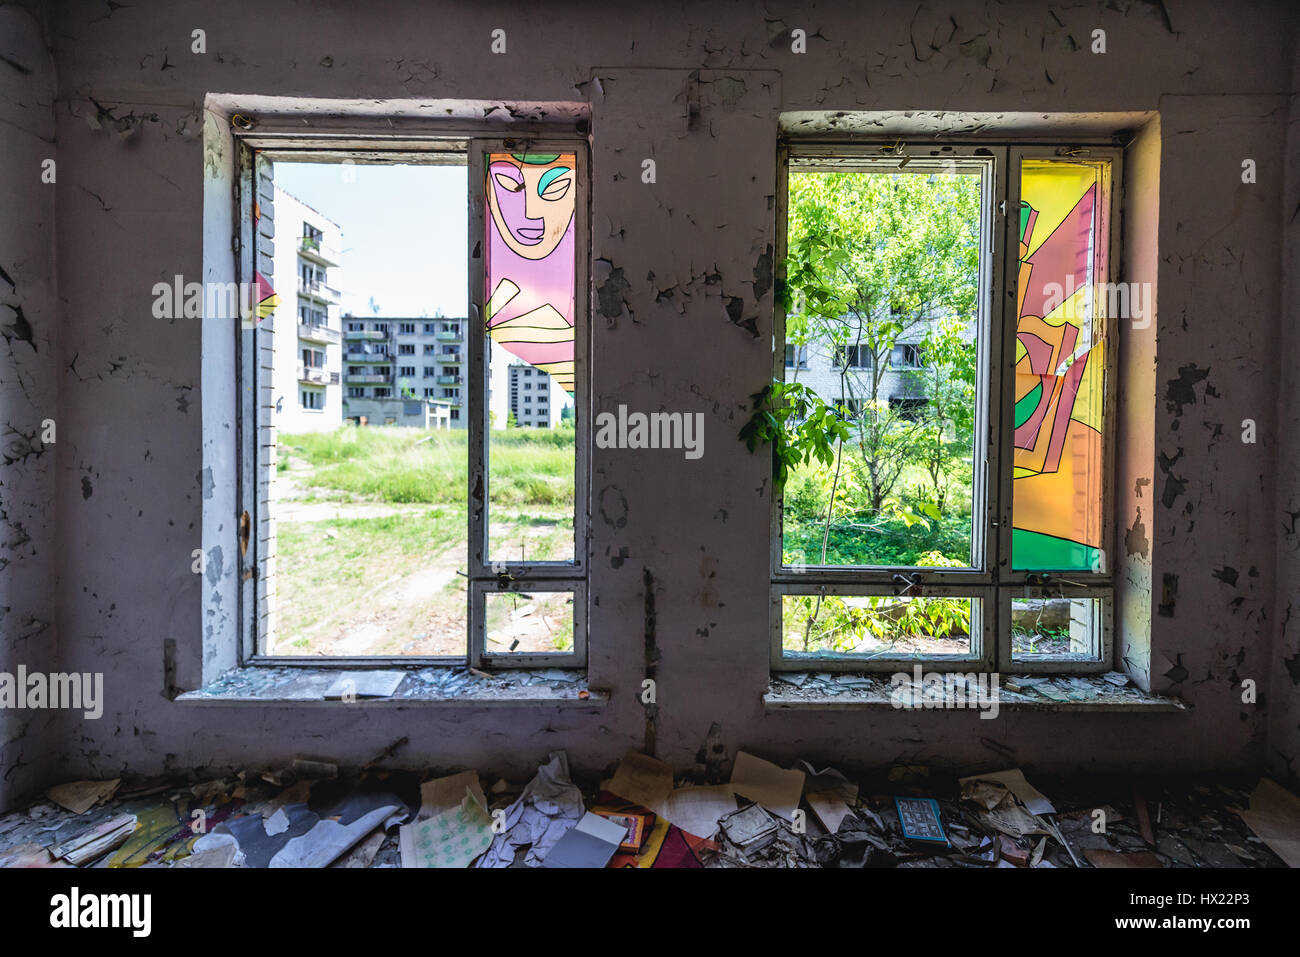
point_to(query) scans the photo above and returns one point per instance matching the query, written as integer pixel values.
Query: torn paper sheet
(452, 838)
(1014, 820)
(548, 806)
(697, 810)
(97, 841)
(364, 853)
(588, 844)
(643, 780)
(444, 794)
(1274, 816)
(830, 795)
(80, 796)
(765, 783)
(329, 839)
(213, 851)
(981, 788)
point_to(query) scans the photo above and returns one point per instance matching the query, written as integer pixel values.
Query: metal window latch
(907, 585)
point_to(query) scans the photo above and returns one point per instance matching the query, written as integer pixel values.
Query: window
(791, 351)
(852, 357)
(947, 320)
(499, 584)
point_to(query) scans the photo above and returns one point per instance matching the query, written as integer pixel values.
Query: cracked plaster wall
(28, 375)
(682, 322)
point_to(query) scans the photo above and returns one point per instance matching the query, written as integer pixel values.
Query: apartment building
(391, 361)
(845, 378)
(535, 399)
(306, 372)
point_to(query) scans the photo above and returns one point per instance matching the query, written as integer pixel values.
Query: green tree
(875, 258)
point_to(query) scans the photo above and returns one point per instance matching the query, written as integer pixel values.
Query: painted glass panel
(1057, 487)
(530, 258)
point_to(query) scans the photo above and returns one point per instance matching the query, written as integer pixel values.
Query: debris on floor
(313, 813)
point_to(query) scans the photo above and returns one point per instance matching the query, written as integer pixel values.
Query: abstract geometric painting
(530, 258)
(1059, 369)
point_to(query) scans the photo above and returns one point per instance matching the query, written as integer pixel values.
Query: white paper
(1013, 779)
(765, 783)
(696, 810)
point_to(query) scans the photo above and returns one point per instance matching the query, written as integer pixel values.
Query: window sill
(841, 692)
(420, 687)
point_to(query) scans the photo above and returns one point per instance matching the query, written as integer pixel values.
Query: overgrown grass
(405, 465)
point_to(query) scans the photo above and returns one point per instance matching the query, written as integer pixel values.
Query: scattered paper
(1274, 816)
(80, 796)
(643, 780)
(452, 838)
(329, 839)
(1013, 780)
(548, 806)
(696, 810)
(213, 851)
(830, 795)
(364, 853)
(765, 783)
(277, 823)
(589, 843)
(444, 794)
(96, 841)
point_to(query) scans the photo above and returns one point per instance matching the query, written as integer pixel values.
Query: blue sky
(403, 233)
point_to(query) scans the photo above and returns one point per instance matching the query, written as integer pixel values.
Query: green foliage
(798, 425)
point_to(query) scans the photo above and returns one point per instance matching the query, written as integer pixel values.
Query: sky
(403, 233)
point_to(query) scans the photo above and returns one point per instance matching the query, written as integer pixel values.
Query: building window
(910, 560)
(523, 597)
(791, 351)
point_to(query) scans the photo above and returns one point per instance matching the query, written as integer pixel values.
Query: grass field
(352, 582)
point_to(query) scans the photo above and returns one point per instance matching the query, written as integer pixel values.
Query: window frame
(371, 142)
(990, 580)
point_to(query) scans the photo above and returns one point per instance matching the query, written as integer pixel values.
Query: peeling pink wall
(129, 496)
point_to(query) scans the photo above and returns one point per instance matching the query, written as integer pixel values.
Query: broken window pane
(530, 273)
(1057, 487)
(875, 626)
(532, 622)
(883, 270)
(1056, 627)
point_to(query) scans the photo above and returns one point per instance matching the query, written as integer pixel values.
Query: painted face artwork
(530, 258)
(1060, 358)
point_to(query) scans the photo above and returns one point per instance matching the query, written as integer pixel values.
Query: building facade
(405, 360)
(306, 371)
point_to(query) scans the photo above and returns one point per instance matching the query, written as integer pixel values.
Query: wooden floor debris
(751, 814)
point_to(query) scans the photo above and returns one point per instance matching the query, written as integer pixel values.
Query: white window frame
(366, 140)
(989, 585)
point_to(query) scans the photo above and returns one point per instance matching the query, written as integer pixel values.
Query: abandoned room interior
(724, 435)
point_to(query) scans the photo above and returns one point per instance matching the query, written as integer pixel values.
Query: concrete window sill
(826, 692)
(420, 687)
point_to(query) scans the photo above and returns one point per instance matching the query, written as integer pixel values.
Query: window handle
(245, 525)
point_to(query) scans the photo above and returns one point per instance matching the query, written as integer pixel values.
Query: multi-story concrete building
(308, 357)
(535, 399)
(391, 363)
(846, 378)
